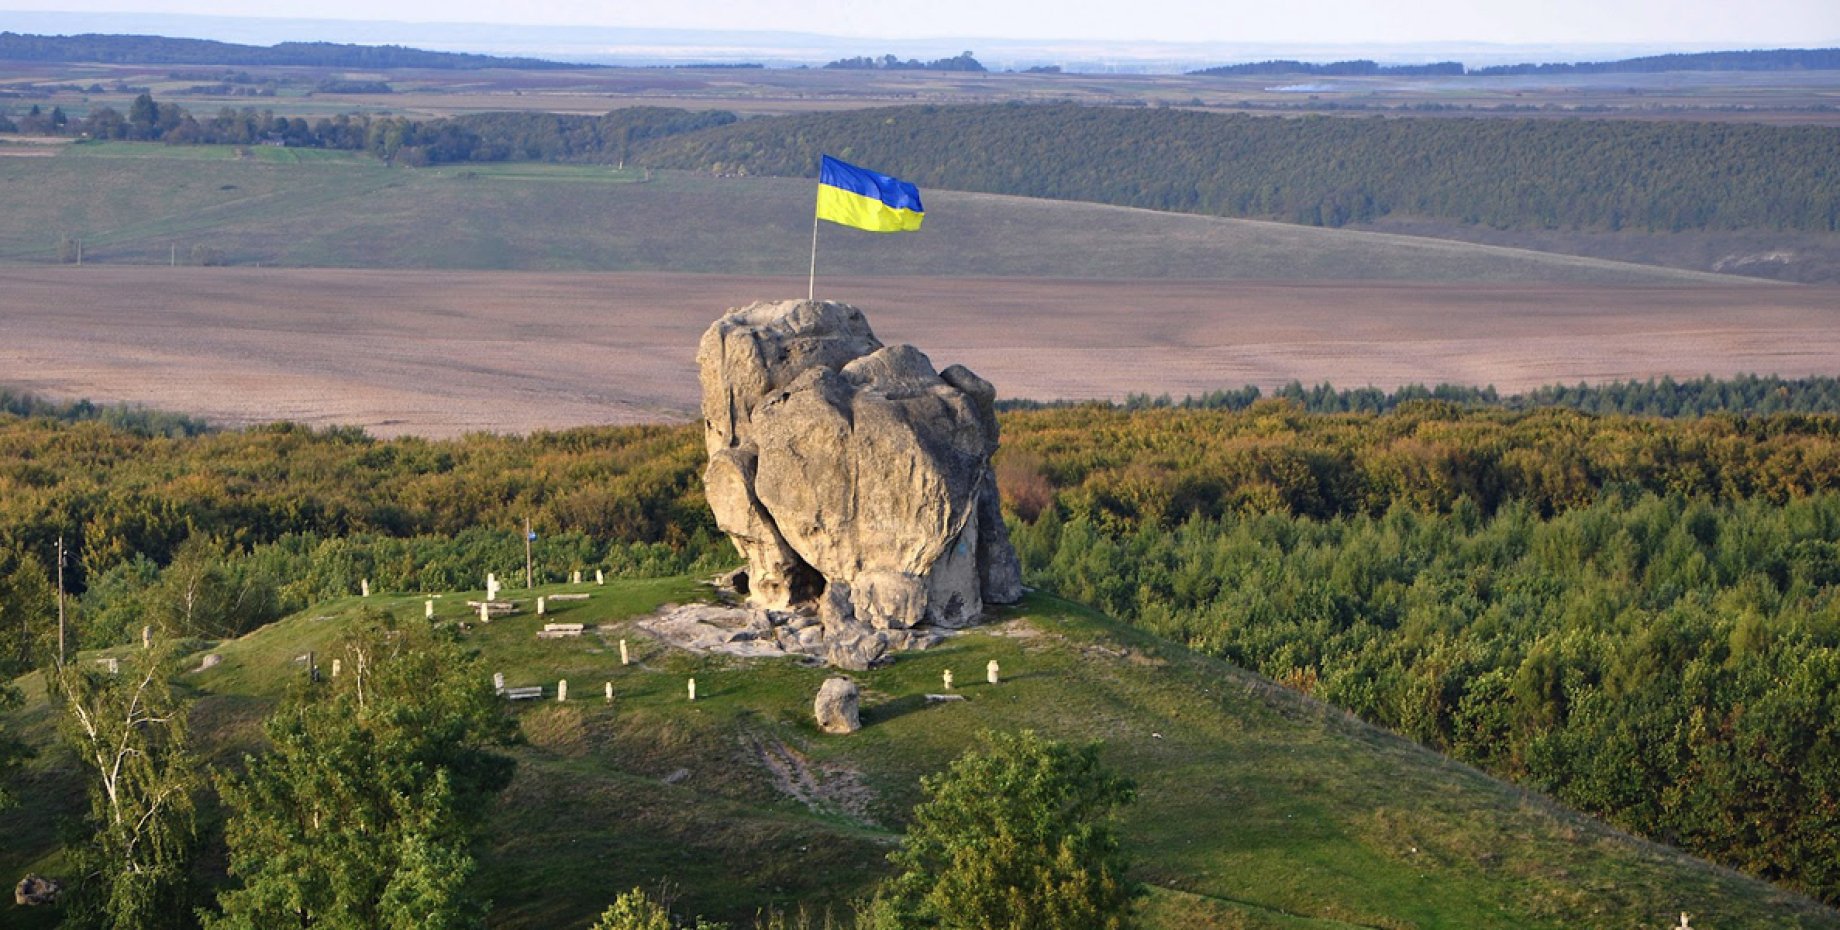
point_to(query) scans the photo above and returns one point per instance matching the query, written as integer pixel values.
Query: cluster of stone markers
(836, 707)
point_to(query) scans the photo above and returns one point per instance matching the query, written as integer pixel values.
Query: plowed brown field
(445, 353)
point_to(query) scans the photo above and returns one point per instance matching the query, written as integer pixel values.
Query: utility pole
(528, 537)
(60, 601)
(175, 255)
(79, 253)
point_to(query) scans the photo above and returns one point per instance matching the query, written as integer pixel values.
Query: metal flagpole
(811, 291)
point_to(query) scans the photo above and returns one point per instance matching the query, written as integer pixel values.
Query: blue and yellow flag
(853, 196)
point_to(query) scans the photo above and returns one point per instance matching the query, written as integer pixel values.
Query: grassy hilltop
(1258, 808)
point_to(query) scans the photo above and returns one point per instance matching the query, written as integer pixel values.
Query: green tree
(28, 614)
(207, 593)
(634, 910)
(128, 729)
(12, 751)
(1019, 836)
(363, 814)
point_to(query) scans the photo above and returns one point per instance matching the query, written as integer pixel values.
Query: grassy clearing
(138, 203)
(1258, 808)
(262, 154)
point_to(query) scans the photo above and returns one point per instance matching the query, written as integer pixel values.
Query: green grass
(1257, 808)
(139, 203)
(262, 154)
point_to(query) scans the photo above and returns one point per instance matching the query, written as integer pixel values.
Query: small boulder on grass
(836, 706)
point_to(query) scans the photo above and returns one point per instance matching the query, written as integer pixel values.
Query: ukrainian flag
(853, 196)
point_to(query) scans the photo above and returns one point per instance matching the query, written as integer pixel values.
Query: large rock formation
(852, 476)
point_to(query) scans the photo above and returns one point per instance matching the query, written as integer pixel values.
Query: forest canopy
(1638, 614)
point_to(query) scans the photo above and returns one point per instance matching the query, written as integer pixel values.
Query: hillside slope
(152, 204)
(1258, 808)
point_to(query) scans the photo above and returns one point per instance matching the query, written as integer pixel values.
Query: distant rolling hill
(152, 204)
(132, 49)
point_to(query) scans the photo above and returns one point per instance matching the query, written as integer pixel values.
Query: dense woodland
(1595, 174)
(140, 50)
(1638, 614)
(1603, 175)
(1655, 397)
(1781, 59)
(485, 137)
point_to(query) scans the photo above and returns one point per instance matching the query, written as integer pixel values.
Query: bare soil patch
(445, 353)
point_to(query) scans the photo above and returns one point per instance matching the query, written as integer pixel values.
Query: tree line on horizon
(960, 62)
(145, 49)
(1781, 59)
(1596, 175)
(1654, 397)
(515, 136)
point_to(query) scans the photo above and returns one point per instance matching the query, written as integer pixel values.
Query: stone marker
(990, 671)
(428, 608)
(114, 665)
(562, 689)
(337, 666)
(947, 677)
(485, 612)
(542, 606)
(692, 689)
(364, 588)
(498, 682)
(610, 692)
(147, 637)
(575, 578)
(836, 706)
(36, 890)
(624, 658)
(600, 577)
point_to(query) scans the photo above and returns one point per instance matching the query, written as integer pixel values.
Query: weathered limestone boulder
(37, 890)
(854, 477)
(836, 706)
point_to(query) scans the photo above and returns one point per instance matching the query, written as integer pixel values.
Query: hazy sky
(1721, 23)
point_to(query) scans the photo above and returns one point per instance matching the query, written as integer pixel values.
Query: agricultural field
(1784, 97)
(138, 203)
(446, 353)
(519, 296)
